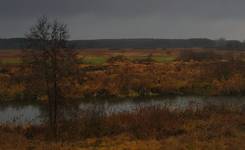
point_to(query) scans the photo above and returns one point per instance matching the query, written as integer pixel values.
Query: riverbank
(146, 128)
(124, 142)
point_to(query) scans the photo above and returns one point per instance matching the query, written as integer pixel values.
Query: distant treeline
(17, 43)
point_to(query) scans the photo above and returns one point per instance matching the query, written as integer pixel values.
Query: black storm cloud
(96, 19)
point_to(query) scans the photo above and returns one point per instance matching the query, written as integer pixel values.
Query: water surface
(20, 114)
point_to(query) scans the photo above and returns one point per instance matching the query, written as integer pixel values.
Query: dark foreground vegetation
(146, 128)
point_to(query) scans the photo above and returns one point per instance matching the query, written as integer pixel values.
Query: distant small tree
(48, 61)
(221, 43)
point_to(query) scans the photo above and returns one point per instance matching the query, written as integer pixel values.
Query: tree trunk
(55, 96)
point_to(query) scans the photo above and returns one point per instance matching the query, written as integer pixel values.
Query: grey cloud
(129, 18)
(112, 8)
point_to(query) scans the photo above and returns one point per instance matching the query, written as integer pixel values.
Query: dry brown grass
(124, 77)
(147, 128)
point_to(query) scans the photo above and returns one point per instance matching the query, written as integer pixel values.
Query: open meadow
(137, 73)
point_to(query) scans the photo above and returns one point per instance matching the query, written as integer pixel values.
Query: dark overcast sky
(96, 19)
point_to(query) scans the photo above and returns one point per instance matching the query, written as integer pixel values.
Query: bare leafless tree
(49, 60)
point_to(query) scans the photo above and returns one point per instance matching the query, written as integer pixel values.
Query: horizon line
(140, 38)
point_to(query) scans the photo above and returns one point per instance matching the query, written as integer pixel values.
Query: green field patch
(94, 60)
(99, 60)
(10, 61)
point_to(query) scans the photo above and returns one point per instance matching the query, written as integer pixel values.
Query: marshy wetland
(183, 98)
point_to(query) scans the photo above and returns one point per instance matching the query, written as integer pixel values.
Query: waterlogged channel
(30, 113)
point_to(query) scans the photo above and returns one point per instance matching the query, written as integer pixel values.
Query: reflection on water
(174, 104)
(35, 114)
(20, 115)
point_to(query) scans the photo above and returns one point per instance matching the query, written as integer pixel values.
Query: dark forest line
(18, 43)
